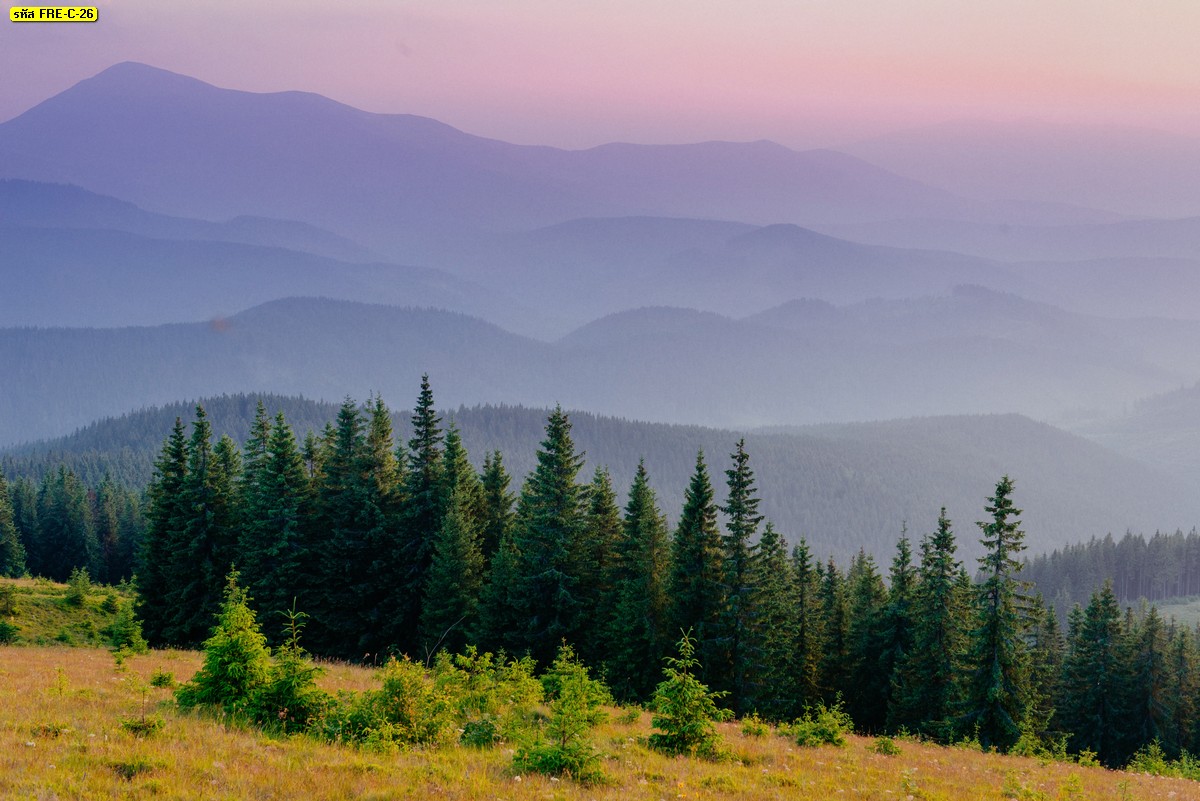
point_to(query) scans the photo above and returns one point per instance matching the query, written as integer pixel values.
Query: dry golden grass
(61, 738)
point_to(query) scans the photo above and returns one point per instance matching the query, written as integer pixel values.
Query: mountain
(841, 487)
(41, 205)
(1132, 171)
(1162, 430)
(409, 184)
(111, 278)
(974, 351)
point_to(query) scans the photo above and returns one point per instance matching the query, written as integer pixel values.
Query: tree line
(408, 549)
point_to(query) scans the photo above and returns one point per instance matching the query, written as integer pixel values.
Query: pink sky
(801, 72)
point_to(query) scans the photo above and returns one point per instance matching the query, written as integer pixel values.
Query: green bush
(236, 661)
(290, 701)
(685, 709)
(566, 748)
(8, 599)
(566, 667)
(754, 726)
(483, 733)
(886, 746)
(487, 693)
(125, 633)
(408, 710)
(78, 587)
(162, 678)
(8, 632)
(822, 725)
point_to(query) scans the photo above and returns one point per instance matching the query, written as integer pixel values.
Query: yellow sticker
(53, 14)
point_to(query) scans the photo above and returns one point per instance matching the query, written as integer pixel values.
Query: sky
(575, 74)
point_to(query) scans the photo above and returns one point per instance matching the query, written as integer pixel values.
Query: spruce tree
(636, 639)
(835, 644)
(423, 510)
(866, 597)
(498, 505)
(599, 568)
(1096, 679)
(199, 537)
(1046, 650)
(455, 578)
(164, 515)
(777, 683)
(545, 597)
(1150, 696)
(107, 521)
(997, 692)
(925, 688)
(279, 506)
(738, 635)
(66, 539)
(809, 627)
(895, 631)
(337, 623)
(696, 580)
(381, 561)
(24, 509)
(12, 552)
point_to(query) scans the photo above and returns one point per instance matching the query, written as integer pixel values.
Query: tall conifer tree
(498, 504)
(809, 627)
(164, 516)
(12, 552)
(777, 684)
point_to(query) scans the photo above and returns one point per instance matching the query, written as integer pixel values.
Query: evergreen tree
(866, 597)
(696, 579)
(66, 539)
(997, 693)
(106, 518)
(1150, 698)
(200, 534)
(777, 691)
(1046, 650)
(835, 645)
(455, 577)
(382, 559)
(24, 510)
(926, 684)
(809, 627)
(12, 552)
(545, 596)
(279, 506)
(737, 633)
(895, 631)
(1096, 679)
(636, 632)
(424, 507)
(1183, 687)
(498, 505)
(164, 514)
(602, 531)
(337, 625)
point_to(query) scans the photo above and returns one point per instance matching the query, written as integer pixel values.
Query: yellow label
(53, 14)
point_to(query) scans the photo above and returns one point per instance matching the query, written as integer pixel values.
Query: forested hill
(841, 487)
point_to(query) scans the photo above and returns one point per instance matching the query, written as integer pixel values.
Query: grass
(61, 716)
(44, 616)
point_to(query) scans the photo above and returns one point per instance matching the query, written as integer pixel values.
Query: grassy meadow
(62, 737)
(80, 723)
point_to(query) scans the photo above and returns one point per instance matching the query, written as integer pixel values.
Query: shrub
(482, 733)
(236, 661)
(110, 604)
(144, 726)
(822, 725)
(567, 749)
(162, 678)
(497, 695)
(885, 746)
(8, 599)
(125, 633)
(290, 700)
(684, 708)
(8, 632)
(566, 667)
(78, 586)
(407, 710)
(754, 726)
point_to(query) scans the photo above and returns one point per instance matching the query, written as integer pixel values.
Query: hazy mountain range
(185, 240)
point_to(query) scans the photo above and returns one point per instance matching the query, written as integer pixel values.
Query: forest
(408, 549)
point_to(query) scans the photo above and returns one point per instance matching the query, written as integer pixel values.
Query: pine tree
(809, 627)
(738, 633)
(925, 689)
(895, 631)
(382, 558)
(24, 509)
(835, 645)
(866, 597)
(498, 505)
(696, 579)
(455, 578)
(107, 521)
(636, 632)
(423, 511)
(12, 552)
(66, 539)
(279, 505)
(165, 512)
(777, 690)
(546, 597)
(602, 531)
(1150, 697)
(1046, 649)
(340, 550)
(997, 693)
(199, 537)
(1096, 679)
